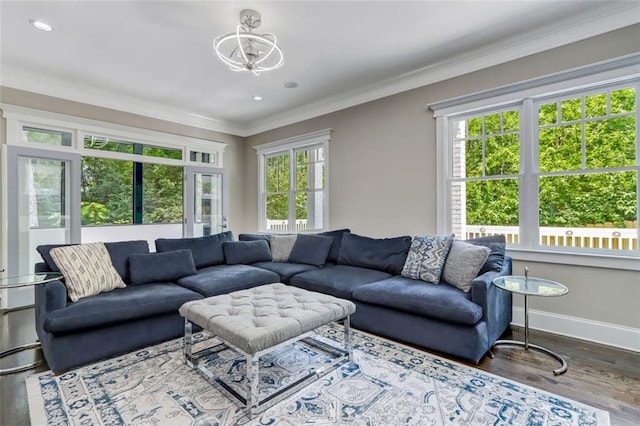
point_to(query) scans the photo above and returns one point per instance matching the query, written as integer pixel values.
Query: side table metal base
(15, 350)
(526, 346)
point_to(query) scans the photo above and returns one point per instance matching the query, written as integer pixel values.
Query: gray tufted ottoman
(254, 322)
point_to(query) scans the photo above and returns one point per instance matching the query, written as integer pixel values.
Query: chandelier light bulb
(245, 50)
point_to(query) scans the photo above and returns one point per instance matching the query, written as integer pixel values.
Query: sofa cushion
(310, 249)
(119, 252)
(118, 306)
(443, 301)
(382, 254)
(426, 258)
(87, 269)
(222, 279)
(161, 267)
(246, 252)
(254, 237)
(45, 253)
(334, 253)
(337, 280)
(285, 269)
(497, 244)
(463, 264)
(206, 251)
(281, 246)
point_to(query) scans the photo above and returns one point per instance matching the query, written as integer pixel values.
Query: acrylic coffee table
(531, 286)
(26, 280)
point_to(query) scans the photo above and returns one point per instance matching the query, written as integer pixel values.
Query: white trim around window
(290, 146)
(526, 96)
(18, 117)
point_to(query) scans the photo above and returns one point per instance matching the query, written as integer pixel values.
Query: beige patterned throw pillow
(87, 269)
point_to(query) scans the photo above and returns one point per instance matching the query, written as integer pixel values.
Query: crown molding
(525, 45)
(65, 89)
(590, 25)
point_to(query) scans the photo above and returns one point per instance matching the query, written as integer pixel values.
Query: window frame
(290, 146)
(602, 76)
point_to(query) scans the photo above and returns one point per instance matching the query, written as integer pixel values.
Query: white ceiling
(155, 57)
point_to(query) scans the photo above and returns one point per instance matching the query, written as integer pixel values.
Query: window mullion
(292, 190)
(528, 208)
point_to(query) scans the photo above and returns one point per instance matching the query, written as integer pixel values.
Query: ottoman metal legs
(251, 399)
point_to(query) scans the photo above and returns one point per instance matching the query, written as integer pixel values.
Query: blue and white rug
(391, 384)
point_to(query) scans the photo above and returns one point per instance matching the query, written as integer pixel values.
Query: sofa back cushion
(334, 253)
(206, 251)
(246, 252)
(310, 249)
(383, 254)
(118, 251)
(161, 267)
(87, 269)
(497, 244)
(254, 237)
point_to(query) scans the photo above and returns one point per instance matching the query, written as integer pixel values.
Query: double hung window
(293, 183)
(553, 171)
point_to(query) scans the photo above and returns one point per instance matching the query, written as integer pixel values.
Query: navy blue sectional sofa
(367, 271)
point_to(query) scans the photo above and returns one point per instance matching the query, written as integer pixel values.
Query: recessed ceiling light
(290, 84)
(257, 98)
(42, 26)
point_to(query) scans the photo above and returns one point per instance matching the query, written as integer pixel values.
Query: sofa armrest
(495, 302)
(49, 297)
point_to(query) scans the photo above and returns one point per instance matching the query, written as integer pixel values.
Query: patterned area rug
(390, 384)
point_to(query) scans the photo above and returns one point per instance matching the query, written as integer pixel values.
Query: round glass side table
(531, 286)
(26, 280)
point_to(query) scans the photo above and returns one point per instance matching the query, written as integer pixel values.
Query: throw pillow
(281, 246)
(426, 258)
(87, 270)
(246, 252)
(382, 254)
(161, 267)
(497, 244)
(463, 263)
(206, 251)
(310, 249)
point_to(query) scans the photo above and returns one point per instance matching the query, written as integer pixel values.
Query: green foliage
(107, 192)
(572, 200)
(278, 185)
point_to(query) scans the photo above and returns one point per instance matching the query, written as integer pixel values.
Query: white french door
(205, 206)
(43, 191)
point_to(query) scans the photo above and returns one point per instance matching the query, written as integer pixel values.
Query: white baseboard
(580, 328)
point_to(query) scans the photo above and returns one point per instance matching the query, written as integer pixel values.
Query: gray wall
(382, 172)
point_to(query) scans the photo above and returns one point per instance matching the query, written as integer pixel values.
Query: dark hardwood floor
(601, 376)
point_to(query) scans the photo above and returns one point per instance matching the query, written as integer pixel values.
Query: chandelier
(244, 50)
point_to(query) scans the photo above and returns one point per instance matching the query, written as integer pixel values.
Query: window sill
(628, 263)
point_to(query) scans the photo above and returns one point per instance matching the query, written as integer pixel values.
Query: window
(485, 182)
(130, 192)
(553, 172)
(293, 183)
(46, 136)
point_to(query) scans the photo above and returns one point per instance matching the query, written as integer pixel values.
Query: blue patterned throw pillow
(426, 258)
